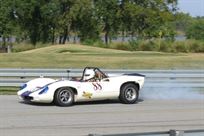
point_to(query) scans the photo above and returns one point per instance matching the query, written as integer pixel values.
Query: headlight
(44, 90)
(23, 86)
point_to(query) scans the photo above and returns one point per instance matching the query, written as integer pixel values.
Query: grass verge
(8, 90)
(80, 56)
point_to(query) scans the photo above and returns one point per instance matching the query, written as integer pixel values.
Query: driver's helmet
(89, 74)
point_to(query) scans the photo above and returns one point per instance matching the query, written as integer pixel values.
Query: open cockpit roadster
(93, 85)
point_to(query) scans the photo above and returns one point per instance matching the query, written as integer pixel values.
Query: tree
(64, 19)
(37, 19)
(29, 18)
(148, 18)
(49, 13)
(85, 21)
(124, 19)
(196, 30)
(7, 23)
(107, 14)
(182, 21)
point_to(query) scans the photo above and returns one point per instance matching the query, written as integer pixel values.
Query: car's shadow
(36, 104)
(101, 102)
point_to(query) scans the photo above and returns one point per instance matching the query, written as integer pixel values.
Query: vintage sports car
(93, 85)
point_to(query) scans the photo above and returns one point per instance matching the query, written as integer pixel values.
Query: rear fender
(131, 82)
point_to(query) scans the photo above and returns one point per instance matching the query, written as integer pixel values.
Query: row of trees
(48, 20)
(191, 27)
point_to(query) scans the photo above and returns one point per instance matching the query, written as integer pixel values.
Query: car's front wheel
(129, 93)
(64, 97)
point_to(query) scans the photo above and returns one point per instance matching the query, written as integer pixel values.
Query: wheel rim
(65, 96)
(130, 94)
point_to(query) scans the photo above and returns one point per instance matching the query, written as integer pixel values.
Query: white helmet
(89, 73)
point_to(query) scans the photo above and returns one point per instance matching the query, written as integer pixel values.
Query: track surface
(18, 119)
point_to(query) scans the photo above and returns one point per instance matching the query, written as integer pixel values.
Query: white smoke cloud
(169, 92)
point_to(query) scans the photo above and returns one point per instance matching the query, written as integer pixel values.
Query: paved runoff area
(107, 117)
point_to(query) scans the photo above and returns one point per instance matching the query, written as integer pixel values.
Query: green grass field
(79, 56)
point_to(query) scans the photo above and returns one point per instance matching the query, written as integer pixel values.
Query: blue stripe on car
(44, 90)
(27, 93)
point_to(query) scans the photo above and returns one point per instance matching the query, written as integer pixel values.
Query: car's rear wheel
(129, 93)
(64, 97)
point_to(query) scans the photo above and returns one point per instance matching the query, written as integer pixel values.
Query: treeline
(57, 20)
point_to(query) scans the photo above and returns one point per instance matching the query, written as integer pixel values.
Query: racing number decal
(97, 86)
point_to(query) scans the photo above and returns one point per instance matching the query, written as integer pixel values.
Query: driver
(98, 75)
(89, 76)
(93, 76)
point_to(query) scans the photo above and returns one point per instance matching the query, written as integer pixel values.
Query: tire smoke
(170, 92)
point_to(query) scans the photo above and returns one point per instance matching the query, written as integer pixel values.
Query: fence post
(176, 133)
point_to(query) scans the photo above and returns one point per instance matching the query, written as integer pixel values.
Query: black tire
(64, 97)
(129, 93)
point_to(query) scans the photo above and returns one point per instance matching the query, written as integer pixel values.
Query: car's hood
(35, 84)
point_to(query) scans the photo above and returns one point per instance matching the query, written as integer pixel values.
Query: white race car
(93, 85)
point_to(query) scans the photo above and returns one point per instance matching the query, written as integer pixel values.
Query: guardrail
(154, 78)
(162, 133)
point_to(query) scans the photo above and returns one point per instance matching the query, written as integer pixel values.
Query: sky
(193, 7)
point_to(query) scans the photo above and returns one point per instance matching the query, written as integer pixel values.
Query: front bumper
(25, 96)
(34, 97)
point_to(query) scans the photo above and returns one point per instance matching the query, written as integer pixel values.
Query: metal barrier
(166, 133)
(154, 78)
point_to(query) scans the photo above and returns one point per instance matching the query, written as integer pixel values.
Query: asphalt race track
(107, 117)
